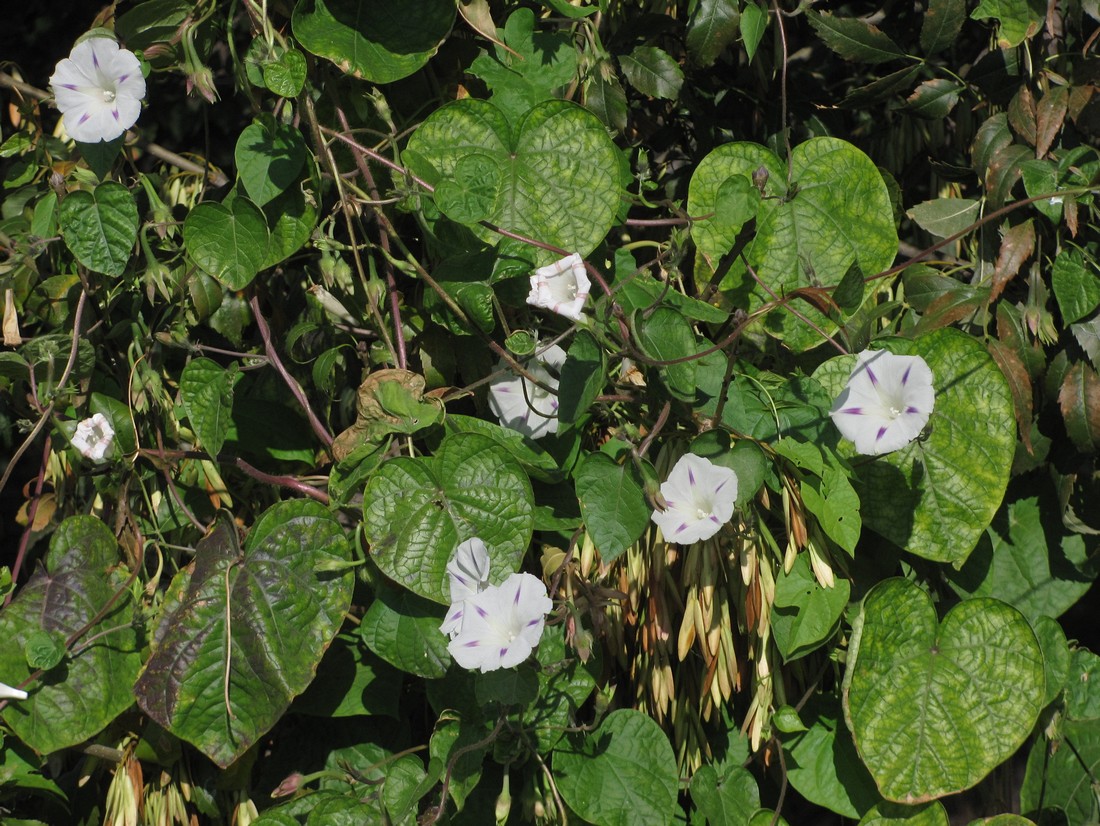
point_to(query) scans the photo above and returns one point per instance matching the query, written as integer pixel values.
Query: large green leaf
(559, 170)
(937, 495)
(206, 390)
(227, 242)
(1028, 562)
(100, 227)
(536, 66)
(622, 774)
(1018, 19)
(582, 377)
(713, 27)
(934, 707)
(403, 629)
(941, 24)
(1063, 779)
(377, 40)
(836, 213)
(822, 763)
(612, 502)
(248, 628)
(653, 72)
(854, 39)
(805, 614)
(269, 156)
(728, 798)
(417, 511)
(665, 335)
(75, 699)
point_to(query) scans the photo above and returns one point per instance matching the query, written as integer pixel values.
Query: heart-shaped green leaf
(206, 390)
(934, 707)
(377, 40)
(835, 213)
(822, 764)
(287, 75)
(805, 614)
(403, 629)
(621, 774)
(613, 504)
(269, 156)
(243, 629)
(82, 694)
(227, 242)
(937, 495)
(416, 511)
(100, 227)
(559, 171)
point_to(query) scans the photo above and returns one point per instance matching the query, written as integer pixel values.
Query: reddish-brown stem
(288, 482)
(384, 242)
(295, 388)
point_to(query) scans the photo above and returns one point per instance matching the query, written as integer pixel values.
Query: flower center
(108, 96)
(702, 514)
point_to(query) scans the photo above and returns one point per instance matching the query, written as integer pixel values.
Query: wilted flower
(93, 437)
(521, 404)
(562, 287)
(9, 693)
(98, 88)
(469, 573)
(886, 403)
(699, 496)
(502, 624)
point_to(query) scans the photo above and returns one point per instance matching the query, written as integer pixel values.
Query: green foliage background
(289, 286)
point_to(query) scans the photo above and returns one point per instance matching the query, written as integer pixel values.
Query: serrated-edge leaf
(853, 39)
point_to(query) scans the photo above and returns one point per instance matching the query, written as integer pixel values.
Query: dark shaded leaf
(853, 39)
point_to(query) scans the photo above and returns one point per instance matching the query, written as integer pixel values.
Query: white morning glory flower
(700, 496)
(524, 406)
(502, 625)
(93, 437)
(562, 287)
(469, 573)
(9, 693)
(98, 88)
(886, 403)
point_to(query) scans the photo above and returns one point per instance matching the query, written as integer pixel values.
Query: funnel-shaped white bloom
(99, 88)
(502, 625)
(562, 287)
(93, 437)
(9, 693)
(524, 406)
(700, 497)
(469, 573)
(886, 403)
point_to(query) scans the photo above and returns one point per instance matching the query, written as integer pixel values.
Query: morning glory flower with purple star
(502, 624)
(98, 88)
(700, 496)
(469, 574)
(886, 403)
